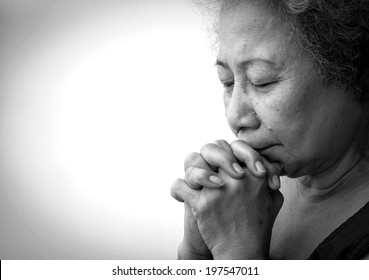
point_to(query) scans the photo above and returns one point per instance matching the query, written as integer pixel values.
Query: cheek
(272, 112)
(226, 99)
(285, 114)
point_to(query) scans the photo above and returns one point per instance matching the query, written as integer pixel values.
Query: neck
(345, 175)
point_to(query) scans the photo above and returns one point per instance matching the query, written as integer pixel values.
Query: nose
(239, 110)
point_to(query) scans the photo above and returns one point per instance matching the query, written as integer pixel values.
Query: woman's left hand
(235, 220)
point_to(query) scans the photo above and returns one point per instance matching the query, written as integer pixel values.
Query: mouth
(264, 149)
(260, 148)
(261, 145)
(257, 143)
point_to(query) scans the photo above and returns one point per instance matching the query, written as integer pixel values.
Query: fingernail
(275, 181)
(216, 180)
(260, 167)
(238, 168)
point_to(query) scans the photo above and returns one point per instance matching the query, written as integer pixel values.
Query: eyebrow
(226, 65)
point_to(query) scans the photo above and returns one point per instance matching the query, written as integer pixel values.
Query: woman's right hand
(201, 173)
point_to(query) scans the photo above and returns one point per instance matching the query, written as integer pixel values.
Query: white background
(100, 102)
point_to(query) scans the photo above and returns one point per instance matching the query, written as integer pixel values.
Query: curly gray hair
(335, 33)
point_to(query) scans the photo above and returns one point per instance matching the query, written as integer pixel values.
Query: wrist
(241, 252)
(185, 253)
(241, 256)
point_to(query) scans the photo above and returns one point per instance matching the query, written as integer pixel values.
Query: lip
(269, 153)
(257, 143)
(260, 146)
(264, 149)
(260, 143)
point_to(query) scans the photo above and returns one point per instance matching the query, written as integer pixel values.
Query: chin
(291, 167)
(272, 154)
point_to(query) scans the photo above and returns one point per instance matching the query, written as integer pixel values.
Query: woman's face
(274, 98)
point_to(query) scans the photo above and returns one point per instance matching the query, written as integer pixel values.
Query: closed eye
(228, 84)
(263, 85)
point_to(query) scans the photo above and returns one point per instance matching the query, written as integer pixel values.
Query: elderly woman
(295, 185)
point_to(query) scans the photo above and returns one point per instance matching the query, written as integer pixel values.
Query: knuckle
(224, 145)
(207, 148)
(193, 174)
(188, 174)
(191, 159)
(173, 193)
(272, 168)
(176, 184)
(236, 143)
(202, 206)
(255, 155)
(174, 187)
(221, 142)
(248, 153)
(237, 187)
(224, 162)
(199, 174)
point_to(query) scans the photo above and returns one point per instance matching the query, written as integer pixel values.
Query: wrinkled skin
(283, 116)
(209, 231)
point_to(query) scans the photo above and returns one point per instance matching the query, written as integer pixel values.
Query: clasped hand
(231, 196)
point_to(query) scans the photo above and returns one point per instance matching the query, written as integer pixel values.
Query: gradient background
(100, 102)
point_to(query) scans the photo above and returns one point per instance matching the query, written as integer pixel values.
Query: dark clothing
(350, 241)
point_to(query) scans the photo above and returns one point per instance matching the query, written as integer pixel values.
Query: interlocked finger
(218, 157)
(182, 192)
(198, 178)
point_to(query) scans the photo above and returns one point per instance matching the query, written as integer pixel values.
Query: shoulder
(366, 257)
